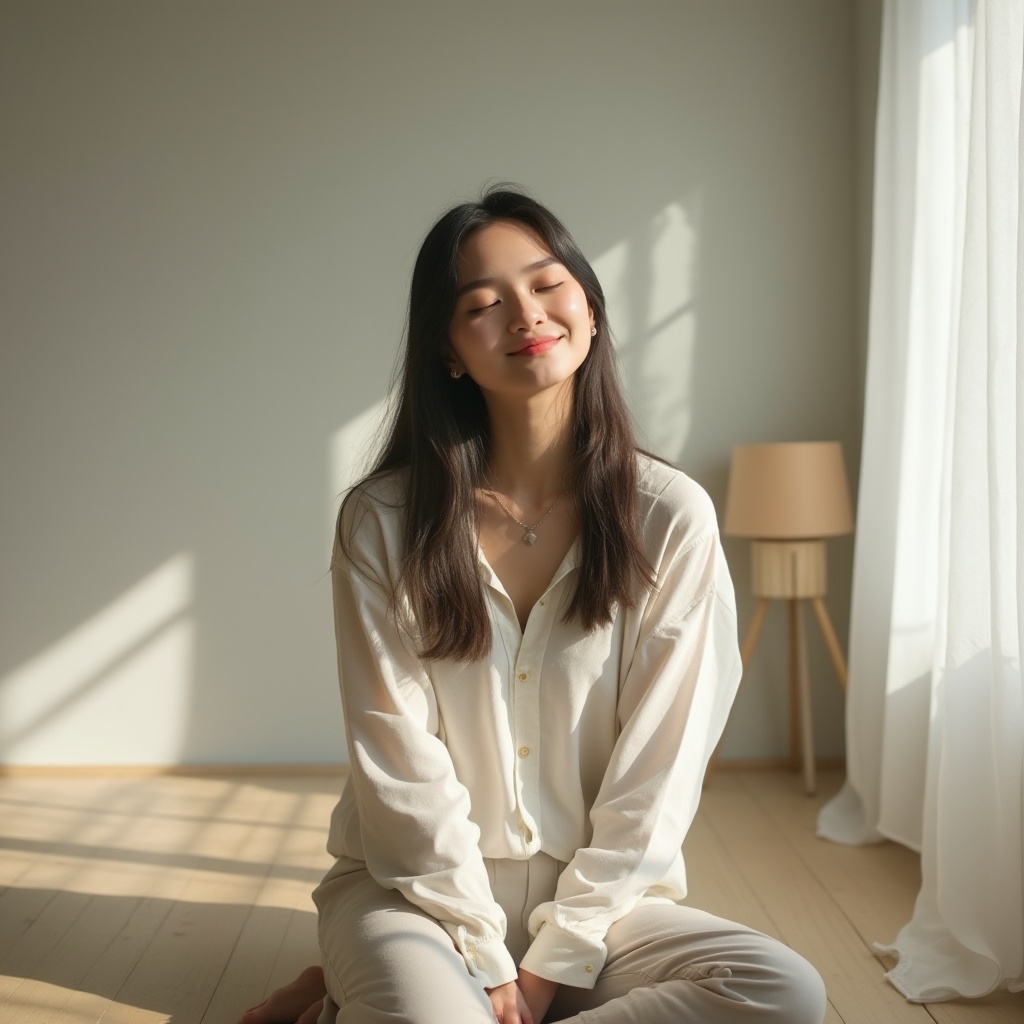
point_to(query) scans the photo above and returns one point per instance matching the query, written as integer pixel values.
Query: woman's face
(521, 322)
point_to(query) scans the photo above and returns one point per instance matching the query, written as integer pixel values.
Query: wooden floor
(134, 900)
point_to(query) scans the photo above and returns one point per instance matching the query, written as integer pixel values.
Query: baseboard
(774, 764)
(143, 771)
(146, 771)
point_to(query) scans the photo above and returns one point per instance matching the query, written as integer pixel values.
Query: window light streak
(130, 662)
(350, 451)
(648, 279)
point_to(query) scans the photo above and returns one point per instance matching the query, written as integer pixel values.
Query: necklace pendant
(529, 537)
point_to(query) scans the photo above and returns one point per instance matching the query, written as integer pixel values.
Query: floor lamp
(788, 498)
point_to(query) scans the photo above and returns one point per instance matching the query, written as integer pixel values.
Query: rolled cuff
(564, 957)
(488, 960)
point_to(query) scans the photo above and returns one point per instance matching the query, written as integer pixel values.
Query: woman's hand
(538, 993)
(509, 1005)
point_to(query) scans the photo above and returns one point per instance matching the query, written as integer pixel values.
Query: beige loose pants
(387, 961)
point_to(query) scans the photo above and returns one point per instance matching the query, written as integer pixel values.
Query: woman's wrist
(538, 992)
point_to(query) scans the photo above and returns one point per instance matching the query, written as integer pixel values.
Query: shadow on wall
(132, 661)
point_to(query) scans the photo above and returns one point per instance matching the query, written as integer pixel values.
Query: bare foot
(312, 1015)
(298, 1002)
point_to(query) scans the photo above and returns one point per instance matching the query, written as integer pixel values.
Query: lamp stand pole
(794, 571)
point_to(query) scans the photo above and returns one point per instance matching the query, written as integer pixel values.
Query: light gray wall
(209, 214)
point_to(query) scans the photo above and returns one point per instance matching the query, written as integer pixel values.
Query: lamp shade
(788, 491)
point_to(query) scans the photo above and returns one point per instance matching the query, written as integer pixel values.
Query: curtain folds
(935, 713)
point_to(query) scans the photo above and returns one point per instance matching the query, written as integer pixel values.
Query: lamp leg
(754, 631)
(834, 651)
(794, 686)
(806, 719)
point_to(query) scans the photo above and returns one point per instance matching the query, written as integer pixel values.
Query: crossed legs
(387, 961)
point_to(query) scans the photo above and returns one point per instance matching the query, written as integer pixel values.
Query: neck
(530, 446)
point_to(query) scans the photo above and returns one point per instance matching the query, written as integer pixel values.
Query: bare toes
(312, 1015)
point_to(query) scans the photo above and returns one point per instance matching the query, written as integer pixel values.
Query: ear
(593, 322)
(454, 364)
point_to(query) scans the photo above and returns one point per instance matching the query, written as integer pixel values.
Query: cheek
(576, 304)
(461, 336)
(465, 340)
(469, 344)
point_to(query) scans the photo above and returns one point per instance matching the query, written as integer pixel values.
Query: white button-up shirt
(589, 746)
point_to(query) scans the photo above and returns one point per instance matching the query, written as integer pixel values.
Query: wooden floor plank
(178, 973)
(81, 946)
(999, 1008)
(874, 885)
(99, 987)
(716, 885)
(245, 979)
(180, 970)
(279, 939)
(19, 909)
(39, 1002)
(276, 941)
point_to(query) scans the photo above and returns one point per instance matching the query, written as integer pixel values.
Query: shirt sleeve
(674, 699)
(414, 819)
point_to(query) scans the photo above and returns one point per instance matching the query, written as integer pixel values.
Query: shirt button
(543, 603)
(524, 751)
(589, 968)
(523, 676)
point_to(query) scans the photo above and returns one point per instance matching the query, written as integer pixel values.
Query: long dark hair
(439, 434)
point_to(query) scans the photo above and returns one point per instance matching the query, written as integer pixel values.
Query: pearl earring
(455, 373)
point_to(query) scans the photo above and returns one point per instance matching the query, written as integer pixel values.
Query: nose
(525, 312)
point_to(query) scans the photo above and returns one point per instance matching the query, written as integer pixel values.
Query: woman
(537, 651)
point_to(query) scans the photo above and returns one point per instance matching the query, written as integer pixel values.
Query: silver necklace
(529, 532)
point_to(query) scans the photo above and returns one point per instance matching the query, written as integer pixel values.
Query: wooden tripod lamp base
(796, 572)
(787, 497)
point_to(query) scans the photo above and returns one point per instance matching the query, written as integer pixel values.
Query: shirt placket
(526, 717)
(526, 730)
(525, 696)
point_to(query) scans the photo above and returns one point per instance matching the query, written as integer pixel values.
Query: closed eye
(483, 309)
(550, 287)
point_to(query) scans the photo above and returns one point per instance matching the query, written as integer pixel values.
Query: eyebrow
(480, 282)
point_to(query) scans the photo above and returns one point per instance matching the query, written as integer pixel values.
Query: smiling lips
(535, 346)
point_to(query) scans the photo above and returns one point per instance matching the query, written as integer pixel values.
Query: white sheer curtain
(935, 714)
